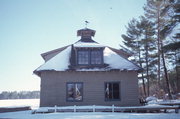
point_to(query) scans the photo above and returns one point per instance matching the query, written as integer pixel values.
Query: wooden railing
(142, 109)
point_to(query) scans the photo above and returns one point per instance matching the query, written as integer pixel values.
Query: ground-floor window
(112, 91)
(74, 91)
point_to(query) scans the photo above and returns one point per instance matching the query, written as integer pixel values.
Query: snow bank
(151, 98)
(169, 102)
(95, 115)
(60, 62)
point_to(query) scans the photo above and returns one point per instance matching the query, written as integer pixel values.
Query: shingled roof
(59, 59)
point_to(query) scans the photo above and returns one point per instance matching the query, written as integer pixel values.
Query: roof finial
(86, 22)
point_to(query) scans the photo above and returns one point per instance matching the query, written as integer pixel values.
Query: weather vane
(86, 23)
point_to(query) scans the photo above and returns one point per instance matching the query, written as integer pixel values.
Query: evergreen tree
(147, 42)
(139, 39)
(171, 33)
(19, 95)
(132, 41)
(153, 10)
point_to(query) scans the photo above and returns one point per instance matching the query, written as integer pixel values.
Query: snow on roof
(115, 61)
(87, 44)
(60, 62)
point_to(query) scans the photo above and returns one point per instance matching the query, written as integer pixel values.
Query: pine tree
(171, 32)
(140, 39)
(153, 10)
(147, 42)
(132, 41)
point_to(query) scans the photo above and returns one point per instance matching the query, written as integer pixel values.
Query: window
(112, 91)
(96, 57)
(90, 57)
(83, 57)
(74, 91)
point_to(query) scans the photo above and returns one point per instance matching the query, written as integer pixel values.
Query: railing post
(55, 108)
(94, 108)
(176, 110)
(74, 108)
(113, 108)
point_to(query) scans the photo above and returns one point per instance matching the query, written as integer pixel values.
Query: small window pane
(112, 91)
(83, 57)
(78, 92)
(96, 57)
(116, 91)
(70, 93)
(107, 93)
(74, 91)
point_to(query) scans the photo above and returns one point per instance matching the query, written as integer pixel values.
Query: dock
(14, 109)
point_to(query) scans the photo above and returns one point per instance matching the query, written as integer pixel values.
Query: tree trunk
(147, 66)
(177, 75)
(144, 87)
(177, 79)
(159, 55)
(140, 63)
(147, 70)
(165, 72)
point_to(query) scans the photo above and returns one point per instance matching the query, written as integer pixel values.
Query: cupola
(86, 34)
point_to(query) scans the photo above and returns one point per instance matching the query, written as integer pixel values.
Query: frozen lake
(33, 103)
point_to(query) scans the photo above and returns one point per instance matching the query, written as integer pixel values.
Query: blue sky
(31, 27)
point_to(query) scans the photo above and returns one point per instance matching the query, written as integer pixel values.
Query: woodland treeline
(154, 39)
(19, 95)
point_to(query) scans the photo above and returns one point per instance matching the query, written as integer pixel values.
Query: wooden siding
(53, 87)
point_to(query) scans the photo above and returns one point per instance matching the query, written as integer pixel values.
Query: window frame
(101, 57)
(112, 82)
(74, 100)
(78, 57)
(89, 57)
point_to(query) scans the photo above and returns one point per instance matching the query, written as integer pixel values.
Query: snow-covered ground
(90, 115)
(34, 103)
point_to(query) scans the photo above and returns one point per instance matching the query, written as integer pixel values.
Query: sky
(29, 28)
